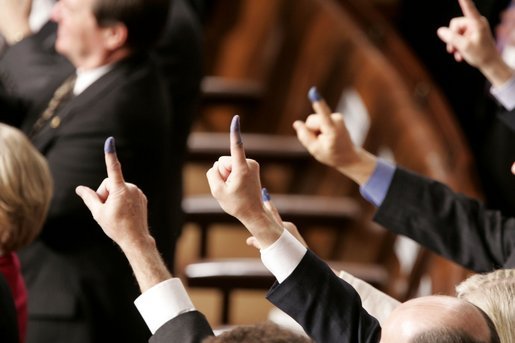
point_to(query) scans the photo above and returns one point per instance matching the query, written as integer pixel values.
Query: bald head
(434, 318)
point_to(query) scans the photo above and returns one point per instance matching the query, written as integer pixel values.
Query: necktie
(61, 94)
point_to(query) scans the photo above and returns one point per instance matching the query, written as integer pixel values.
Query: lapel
(79, 104)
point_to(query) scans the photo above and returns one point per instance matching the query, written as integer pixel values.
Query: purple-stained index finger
(469, 9)
(114, 169)
(237, 150)
(320, 106)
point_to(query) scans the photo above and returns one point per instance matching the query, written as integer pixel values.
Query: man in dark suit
(327, 307)
(79, 284)
(457, 227)
(178, 55)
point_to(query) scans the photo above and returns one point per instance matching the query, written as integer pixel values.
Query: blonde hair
(25, 189)
(494, 293)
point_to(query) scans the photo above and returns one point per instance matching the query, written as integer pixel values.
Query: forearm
(326, 307)
(146, 263)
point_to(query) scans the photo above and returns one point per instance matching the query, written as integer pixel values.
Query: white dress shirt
(169, 298)
(86, 78)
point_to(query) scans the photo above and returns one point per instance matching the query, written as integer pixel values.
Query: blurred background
(404, 98)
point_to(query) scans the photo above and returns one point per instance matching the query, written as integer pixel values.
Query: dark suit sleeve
(450, 224)
(328, 308)
(11, 109)
(508, 117)
(189, 327)
(8, 318)
(29, 72)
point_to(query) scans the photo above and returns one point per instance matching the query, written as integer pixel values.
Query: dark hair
(264, 332)
(144, 19)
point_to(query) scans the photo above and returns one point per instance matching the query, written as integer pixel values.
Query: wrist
(497, 72)
(361, 169)
(136, 245)
(264, 228)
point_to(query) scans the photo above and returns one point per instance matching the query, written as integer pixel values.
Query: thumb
(253, 242)
(90, 198)
(513, 168)
(305, 136)
(451, 38)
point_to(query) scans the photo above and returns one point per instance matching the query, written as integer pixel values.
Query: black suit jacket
(189, 327)
(179, 57)
(8, 318)
(80, 285)
(495, 157)
(328, 308)
(455, 226)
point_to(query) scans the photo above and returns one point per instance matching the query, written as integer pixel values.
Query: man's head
(25, 189)
(494, 293)
(264, 332)
(92, 33)
(438, 319)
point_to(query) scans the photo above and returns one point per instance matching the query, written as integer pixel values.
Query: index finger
(320, 107)
(469, 9)
(237, 150)
(113, 166)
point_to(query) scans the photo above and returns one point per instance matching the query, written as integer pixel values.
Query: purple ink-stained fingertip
(235, 123)
(235, 128)
(313, 94)
(265, 195)
(109, 147)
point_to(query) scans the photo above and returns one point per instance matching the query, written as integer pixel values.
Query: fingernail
(235, 128)
(109, 147)
(313, 94)
(265, 195)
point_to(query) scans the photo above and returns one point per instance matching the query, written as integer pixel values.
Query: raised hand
(120, 208)
(326, 137)
(235, 184)
(469, 38)
(14, 19)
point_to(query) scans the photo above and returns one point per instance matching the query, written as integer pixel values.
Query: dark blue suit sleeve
(455, 226)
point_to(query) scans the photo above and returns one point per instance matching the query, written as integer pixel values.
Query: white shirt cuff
(283, 256)
(505, 94)
(163, 302)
